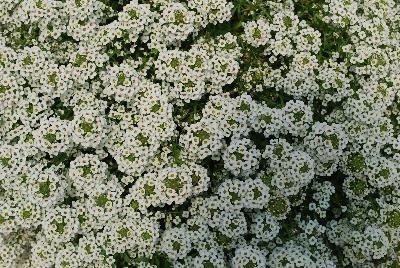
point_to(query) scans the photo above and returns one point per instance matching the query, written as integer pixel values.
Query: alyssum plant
(199, 133)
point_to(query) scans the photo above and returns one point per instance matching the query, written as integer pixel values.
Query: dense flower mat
(199, 133)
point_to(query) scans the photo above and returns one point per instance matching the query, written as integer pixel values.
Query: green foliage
(277, 206)
(87, 127)
(64, 112)
(101, 200)
(393, 218)
(124, 260)
(51, 137)
(44, 188)
(356, 162)
(358, 186)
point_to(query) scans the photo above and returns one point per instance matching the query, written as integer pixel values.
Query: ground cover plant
(199, 133)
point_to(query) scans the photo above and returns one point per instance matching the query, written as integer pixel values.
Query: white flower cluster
(199, 133)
